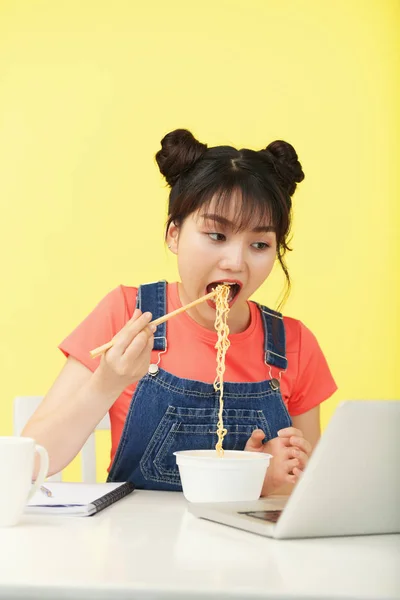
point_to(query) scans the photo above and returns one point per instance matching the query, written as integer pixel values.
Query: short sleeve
(100, 326)
(314, 382)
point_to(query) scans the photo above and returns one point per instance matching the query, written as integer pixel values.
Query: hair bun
(287, 164)
(179, 151)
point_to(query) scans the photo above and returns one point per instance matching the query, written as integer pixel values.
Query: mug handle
(43, 469)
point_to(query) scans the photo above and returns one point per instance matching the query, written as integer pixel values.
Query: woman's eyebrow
(227, 223)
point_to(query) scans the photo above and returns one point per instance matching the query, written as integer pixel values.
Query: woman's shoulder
(312, 381)
(299, 338)
(121, 299)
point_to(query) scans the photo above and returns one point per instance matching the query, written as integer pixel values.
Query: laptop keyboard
(264, 515)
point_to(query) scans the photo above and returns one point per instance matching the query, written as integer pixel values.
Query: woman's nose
(233, 259)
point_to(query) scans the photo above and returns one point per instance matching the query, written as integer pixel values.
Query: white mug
(17, 455)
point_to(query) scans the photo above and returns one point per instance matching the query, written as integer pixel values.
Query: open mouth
(234, 288)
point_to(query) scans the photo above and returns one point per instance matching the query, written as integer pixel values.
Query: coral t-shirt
(191, 353)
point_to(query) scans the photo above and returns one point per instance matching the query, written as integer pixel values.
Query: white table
(147, 546)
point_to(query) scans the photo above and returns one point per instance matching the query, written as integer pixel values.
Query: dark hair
(266, 180)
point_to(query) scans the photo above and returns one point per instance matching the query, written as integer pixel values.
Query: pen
(46, 491)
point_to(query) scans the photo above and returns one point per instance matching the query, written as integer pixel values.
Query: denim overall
(168, 413)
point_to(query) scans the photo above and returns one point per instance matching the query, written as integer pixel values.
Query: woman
(229, 219)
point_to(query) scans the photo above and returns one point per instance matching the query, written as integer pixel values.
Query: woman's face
(210, 251)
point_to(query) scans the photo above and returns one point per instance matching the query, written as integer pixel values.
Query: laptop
(351, 485)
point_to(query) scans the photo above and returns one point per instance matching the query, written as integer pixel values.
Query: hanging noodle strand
(222, 345)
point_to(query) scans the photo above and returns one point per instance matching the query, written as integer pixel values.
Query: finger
(255, 441)
(297, 472)
(301, 456)
(139, 363)
(142, 349)
(290, 478)
(150, 341)
(291, 453)
(291, 464)
(139, 346)
(136, 314)
(137, 320)
(258, 435)
(301, 443)
(289, 431)
(285, 439)
(123, 339)
(150, 330)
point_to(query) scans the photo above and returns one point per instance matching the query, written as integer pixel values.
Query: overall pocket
(183, 428)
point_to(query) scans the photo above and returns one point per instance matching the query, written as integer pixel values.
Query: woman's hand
(128, 359)
(290, 453)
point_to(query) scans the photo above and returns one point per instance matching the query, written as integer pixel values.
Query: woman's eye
(260, 245)
(217, 237)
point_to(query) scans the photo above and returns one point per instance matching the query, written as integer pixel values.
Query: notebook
(79, 499)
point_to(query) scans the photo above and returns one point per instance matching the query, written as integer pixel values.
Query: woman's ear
(172, 237)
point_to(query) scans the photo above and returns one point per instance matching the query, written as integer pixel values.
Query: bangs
(235, 189)
(244, 208)
(240, 197)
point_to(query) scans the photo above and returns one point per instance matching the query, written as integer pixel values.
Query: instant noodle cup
(237, 476)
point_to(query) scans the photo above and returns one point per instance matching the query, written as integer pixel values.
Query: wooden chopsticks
(108, 345)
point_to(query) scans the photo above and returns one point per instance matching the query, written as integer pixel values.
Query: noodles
(222, 345)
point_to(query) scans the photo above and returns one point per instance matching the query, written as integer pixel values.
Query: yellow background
(88, 89)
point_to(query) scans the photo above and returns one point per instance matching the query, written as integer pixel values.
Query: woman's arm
(75, 404)
(79, 399)
(309, 424)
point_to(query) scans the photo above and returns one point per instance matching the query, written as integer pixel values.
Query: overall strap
(152, 297)
(274, 338)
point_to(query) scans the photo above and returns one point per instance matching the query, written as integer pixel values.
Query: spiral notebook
(79, 499)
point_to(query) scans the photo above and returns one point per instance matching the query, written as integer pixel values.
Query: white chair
(23, 409)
